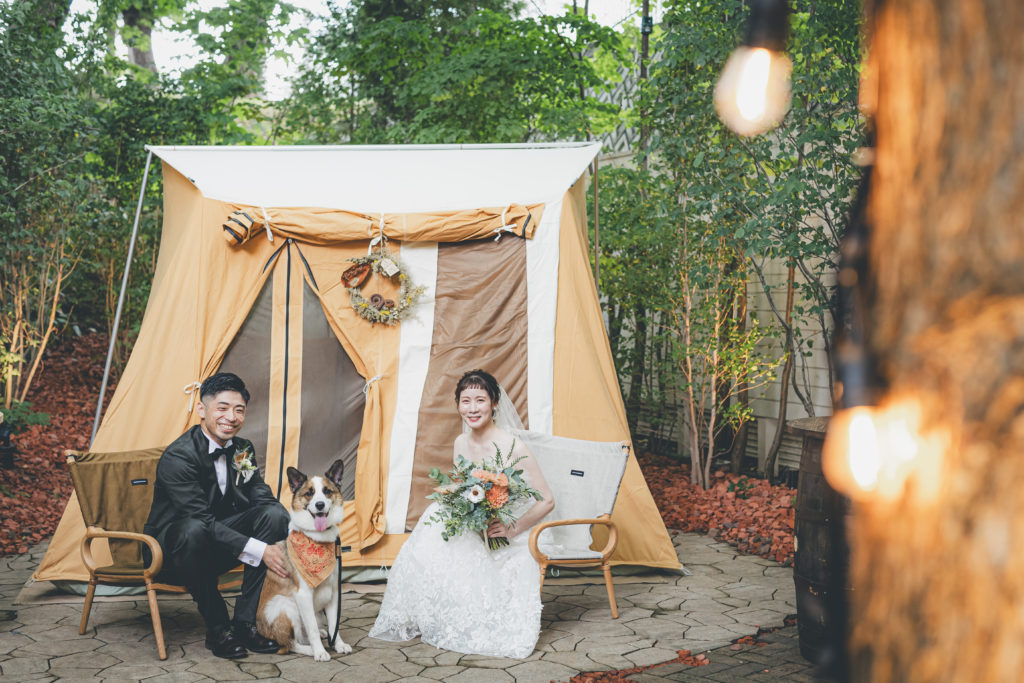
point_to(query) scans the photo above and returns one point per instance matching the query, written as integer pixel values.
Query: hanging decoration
(375, 308)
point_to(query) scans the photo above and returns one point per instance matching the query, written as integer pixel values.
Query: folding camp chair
(115, 492)
(584, 477)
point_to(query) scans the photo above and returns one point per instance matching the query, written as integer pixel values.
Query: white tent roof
(387, 178)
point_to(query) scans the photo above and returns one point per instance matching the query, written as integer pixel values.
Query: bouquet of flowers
(472, 495)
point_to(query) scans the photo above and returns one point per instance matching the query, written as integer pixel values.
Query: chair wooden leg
(154, 612)
(89, 594)
(611, 590)
(543, 572)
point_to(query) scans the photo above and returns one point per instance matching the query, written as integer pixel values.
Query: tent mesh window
(249, 358)
(332, 397)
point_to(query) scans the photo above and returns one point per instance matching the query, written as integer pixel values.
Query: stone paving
(727, 596)
(774, 657)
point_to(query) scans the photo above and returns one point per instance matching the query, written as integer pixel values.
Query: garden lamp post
(752, 94)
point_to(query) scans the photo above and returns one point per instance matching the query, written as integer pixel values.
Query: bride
(456, 594)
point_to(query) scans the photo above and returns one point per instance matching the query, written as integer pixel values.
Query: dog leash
(337, 618)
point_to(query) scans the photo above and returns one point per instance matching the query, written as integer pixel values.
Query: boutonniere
(244, 462)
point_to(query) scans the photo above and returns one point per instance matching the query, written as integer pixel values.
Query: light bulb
(752, 95)
(851, 459)
(874, 452)
(864, 451)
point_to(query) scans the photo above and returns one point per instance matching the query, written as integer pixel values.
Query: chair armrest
(95, 532)
(609, 548)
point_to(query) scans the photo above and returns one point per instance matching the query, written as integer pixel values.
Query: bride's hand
(496, 530)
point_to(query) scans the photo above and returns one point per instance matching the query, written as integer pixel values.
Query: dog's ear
(335, 471)
(295, 479)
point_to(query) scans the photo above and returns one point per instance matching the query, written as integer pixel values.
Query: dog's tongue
(320, 521)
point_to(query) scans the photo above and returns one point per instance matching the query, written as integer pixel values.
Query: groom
(210, 512)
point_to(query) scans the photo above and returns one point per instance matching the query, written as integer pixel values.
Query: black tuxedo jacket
(186, 486)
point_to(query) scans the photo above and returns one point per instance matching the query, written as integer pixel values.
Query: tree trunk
(634, 404)
(787, 370)
(53, 12)
(143, 22)
(742, 398)
(938, 582)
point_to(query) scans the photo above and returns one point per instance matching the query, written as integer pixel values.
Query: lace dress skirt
(458, 595)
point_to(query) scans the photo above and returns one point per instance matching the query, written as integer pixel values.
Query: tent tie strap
(266, 225)
(190, 389)
(366, 387)
(504, 227)
(380, 239)
(239, 227)
(374, 242)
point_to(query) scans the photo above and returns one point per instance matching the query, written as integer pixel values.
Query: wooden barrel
(821, 558)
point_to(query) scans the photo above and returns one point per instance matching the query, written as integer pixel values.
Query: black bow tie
(226, 450)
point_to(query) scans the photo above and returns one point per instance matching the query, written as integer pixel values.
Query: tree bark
(739, 443)
(634, 403)
(787, 370)
(939, 582)
(142, 21)
(53, 12)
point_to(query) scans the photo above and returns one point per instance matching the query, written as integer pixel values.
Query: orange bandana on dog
(313, 559)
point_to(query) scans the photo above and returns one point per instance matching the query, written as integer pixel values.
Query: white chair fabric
(584, 477)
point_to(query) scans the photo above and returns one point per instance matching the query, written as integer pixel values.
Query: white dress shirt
(252, 553)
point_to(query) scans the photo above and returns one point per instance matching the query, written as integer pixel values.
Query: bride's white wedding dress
(457, 595)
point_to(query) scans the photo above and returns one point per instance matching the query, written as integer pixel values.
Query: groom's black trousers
(193, 558)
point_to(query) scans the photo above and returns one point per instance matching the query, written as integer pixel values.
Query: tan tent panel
(270, 305)
(330, 226)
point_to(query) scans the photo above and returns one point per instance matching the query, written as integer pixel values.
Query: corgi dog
(289, 607)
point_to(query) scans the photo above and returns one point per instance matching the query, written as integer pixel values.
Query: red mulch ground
(756, 517)
(34, 493)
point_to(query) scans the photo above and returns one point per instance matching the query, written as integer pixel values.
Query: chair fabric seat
(558, 553)
(128, 575)
(123, 571)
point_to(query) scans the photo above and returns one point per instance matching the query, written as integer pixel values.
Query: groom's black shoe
(252, 640)
(223, 643)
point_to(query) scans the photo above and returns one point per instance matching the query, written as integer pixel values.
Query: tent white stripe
(541, 307)
(420, 261)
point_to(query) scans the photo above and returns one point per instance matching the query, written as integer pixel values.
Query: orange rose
(497, 495)
(497, 479)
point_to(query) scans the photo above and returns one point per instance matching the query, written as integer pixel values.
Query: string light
(877, 452)
(753, 93)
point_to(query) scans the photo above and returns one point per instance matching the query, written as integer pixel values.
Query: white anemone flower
(474, 494)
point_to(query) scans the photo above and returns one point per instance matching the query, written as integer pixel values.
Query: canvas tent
(519, 301)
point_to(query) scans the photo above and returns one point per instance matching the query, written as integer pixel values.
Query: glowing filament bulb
(865, 459)
(753, 94)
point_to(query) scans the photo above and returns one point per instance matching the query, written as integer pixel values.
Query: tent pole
(597, 253)
(120, 300)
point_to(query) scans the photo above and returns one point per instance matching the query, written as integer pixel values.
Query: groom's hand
(273, 557)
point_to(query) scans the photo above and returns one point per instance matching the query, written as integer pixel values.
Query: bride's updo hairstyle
(478, 379)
